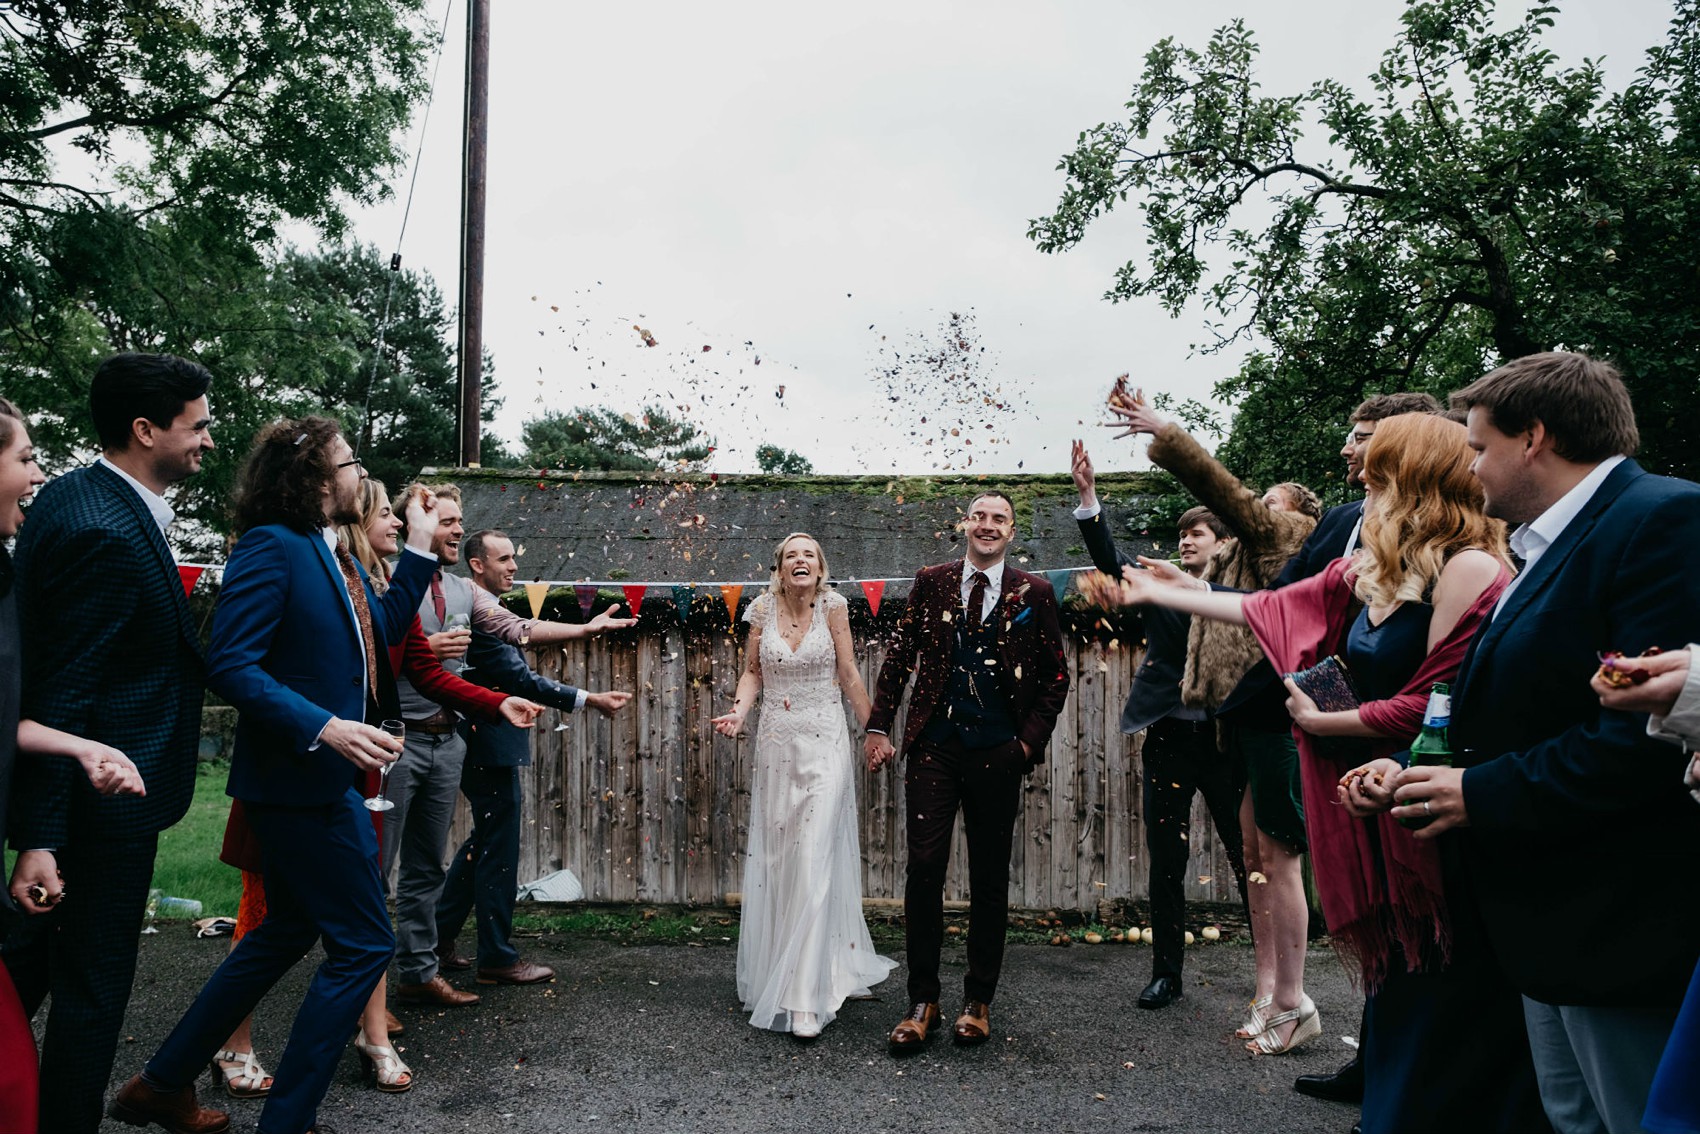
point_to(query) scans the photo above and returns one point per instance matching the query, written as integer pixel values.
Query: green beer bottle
(1431, 745)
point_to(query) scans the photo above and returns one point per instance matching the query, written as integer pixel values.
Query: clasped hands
(1433, 792)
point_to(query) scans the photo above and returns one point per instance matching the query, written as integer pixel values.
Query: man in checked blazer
(982, 641)
(109, 653)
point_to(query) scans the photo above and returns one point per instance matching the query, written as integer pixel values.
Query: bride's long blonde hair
(1425, 506)
(776, 585)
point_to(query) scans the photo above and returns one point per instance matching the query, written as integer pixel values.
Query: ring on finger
(1427, 810)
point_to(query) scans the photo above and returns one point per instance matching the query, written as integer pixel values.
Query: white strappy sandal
(388, 1071)
(246, 1080)
(1309, 1027)
(1254, 1022)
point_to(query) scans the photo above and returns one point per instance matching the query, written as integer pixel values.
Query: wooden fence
(652, 805)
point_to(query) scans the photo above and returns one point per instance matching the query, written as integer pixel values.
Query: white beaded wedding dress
(803, 947)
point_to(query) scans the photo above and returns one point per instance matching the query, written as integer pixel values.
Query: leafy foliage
(773, 459)
(1482, 203)
(592, 438)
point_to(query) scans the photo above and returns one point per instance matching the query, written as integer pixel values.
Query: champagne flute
(378, 802)
(459, 623)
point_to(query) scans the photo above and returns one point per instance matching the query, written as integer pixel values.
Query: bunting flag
(875, 590)
(535, 593)
(730, 593)
(1059, 581)
(683, 593)
(634, 596)
(587, 593)
(190, 576)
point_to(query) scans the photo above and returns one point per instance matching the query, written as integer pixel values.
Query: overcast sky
(821, 188)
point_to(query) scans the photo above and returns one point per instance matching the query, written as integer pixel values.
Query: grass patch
(631, 925)
(187, 865)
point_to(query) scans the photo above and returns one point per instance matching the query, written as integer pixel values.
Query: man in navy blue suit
(1575, 832)
(298, 647)
(110, 653)
(484, 871)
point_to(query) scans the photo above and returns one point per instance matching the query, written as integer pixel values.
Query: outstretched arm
(749, 685)
(849, 677)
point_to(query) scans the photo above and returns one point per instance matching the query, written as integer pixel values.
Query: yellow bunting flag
(535, 593)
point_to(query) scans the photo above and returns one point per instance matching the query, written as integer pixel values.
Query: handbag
(1329, 684)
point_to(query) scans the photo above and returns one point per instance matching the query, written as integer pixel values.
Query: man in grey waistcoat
(423, 783)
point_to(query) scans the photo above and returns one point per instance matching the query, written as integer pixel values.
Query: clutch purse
(1329, 684)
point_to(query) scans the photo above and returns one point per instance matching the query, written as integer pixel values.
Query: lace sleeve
(833, 601)
(757, 613)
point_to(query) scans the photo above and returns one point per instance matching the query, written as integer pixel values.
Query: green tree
(596, 438)
(773, 459)
(401, 412)
(1483, 202)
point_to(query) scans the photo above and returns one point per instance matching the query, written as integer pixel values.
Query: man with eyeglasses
(983, 642)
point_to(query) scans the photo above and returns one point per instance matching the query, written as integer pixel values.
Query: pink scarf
(1378, 884)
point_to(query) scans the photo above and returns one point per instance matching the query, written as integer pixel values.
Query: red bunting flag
(731, 592)
(586, 598)
(190, 576)
(874, 589)
(634, 596)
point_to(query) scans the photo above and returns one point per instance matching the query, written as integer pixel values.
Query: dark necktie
(977, 598)
(437, 602)
(362, 614)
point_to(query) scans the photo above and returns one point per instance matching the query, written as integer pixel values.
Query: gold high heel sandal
(246, 1080)
(1309, 1027)
(1254, 1022)
(388, 1071)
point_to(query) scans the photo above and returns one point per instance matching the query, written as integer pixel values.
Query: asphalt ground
(650, 1038)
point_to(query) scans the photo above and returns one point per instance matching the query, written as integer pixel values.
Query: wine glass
(459, 623)
(378, 802)
(152, 910)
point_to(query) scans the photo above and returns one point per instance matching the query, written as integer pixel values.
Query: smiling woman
(804, 947)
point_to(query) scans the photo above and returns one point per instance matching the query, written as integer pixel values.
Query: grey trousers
(423, 784)
(1595, 1064)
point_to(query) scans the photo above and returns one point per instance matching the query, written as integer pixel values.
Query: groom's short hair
(993, 493)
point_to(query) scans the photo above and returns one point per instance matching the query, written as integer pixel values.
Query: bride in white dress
(803, 947)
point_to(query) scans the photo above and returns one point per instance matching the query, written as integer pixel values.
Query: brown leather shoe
(520, 972)
(392, 1025)
(974, 1026)
(435, 991)
(452, 961)
(138, 1103)
(913, 1031)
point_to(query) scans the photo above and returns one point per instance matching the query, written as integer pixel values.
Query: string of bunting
(683, 594)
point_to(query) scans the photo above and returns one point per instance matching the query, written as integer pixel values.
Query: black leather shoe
(1161, 992)
(1345, 1085)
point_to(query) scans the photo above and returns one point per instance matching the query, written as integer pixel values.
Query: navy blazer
(1580, 848)
(110, 653)
(1156, 690)
(494, 664)
(286, 653)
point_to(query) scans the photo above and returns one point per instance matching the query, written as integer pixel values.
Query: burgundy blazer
(1031, 667)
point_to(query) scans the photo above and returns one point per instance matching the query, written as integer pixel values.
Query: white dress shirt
(994, 586)
(1531, 540)
(161, 512)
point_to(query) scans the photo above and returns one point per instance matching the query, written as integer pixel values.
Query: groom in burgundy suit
(983, 642)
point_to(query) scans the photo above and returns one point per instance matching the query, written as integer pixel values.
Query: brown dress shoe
(138, 1103)
(974, 1025)
(435, 991)
(393, 1026)
(452, 961)
(520, 972)
(913, 1031)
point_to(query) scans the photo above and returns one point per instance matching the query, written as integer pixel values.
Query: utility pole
(471, 355)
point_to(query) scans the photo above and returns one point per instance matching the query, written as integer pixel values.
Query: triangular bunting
(190, 576)
(586, 598)
(1059, 581)
(875, 590)
(731, 592)
(683, 593)
(536, 593)
(634, 596)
